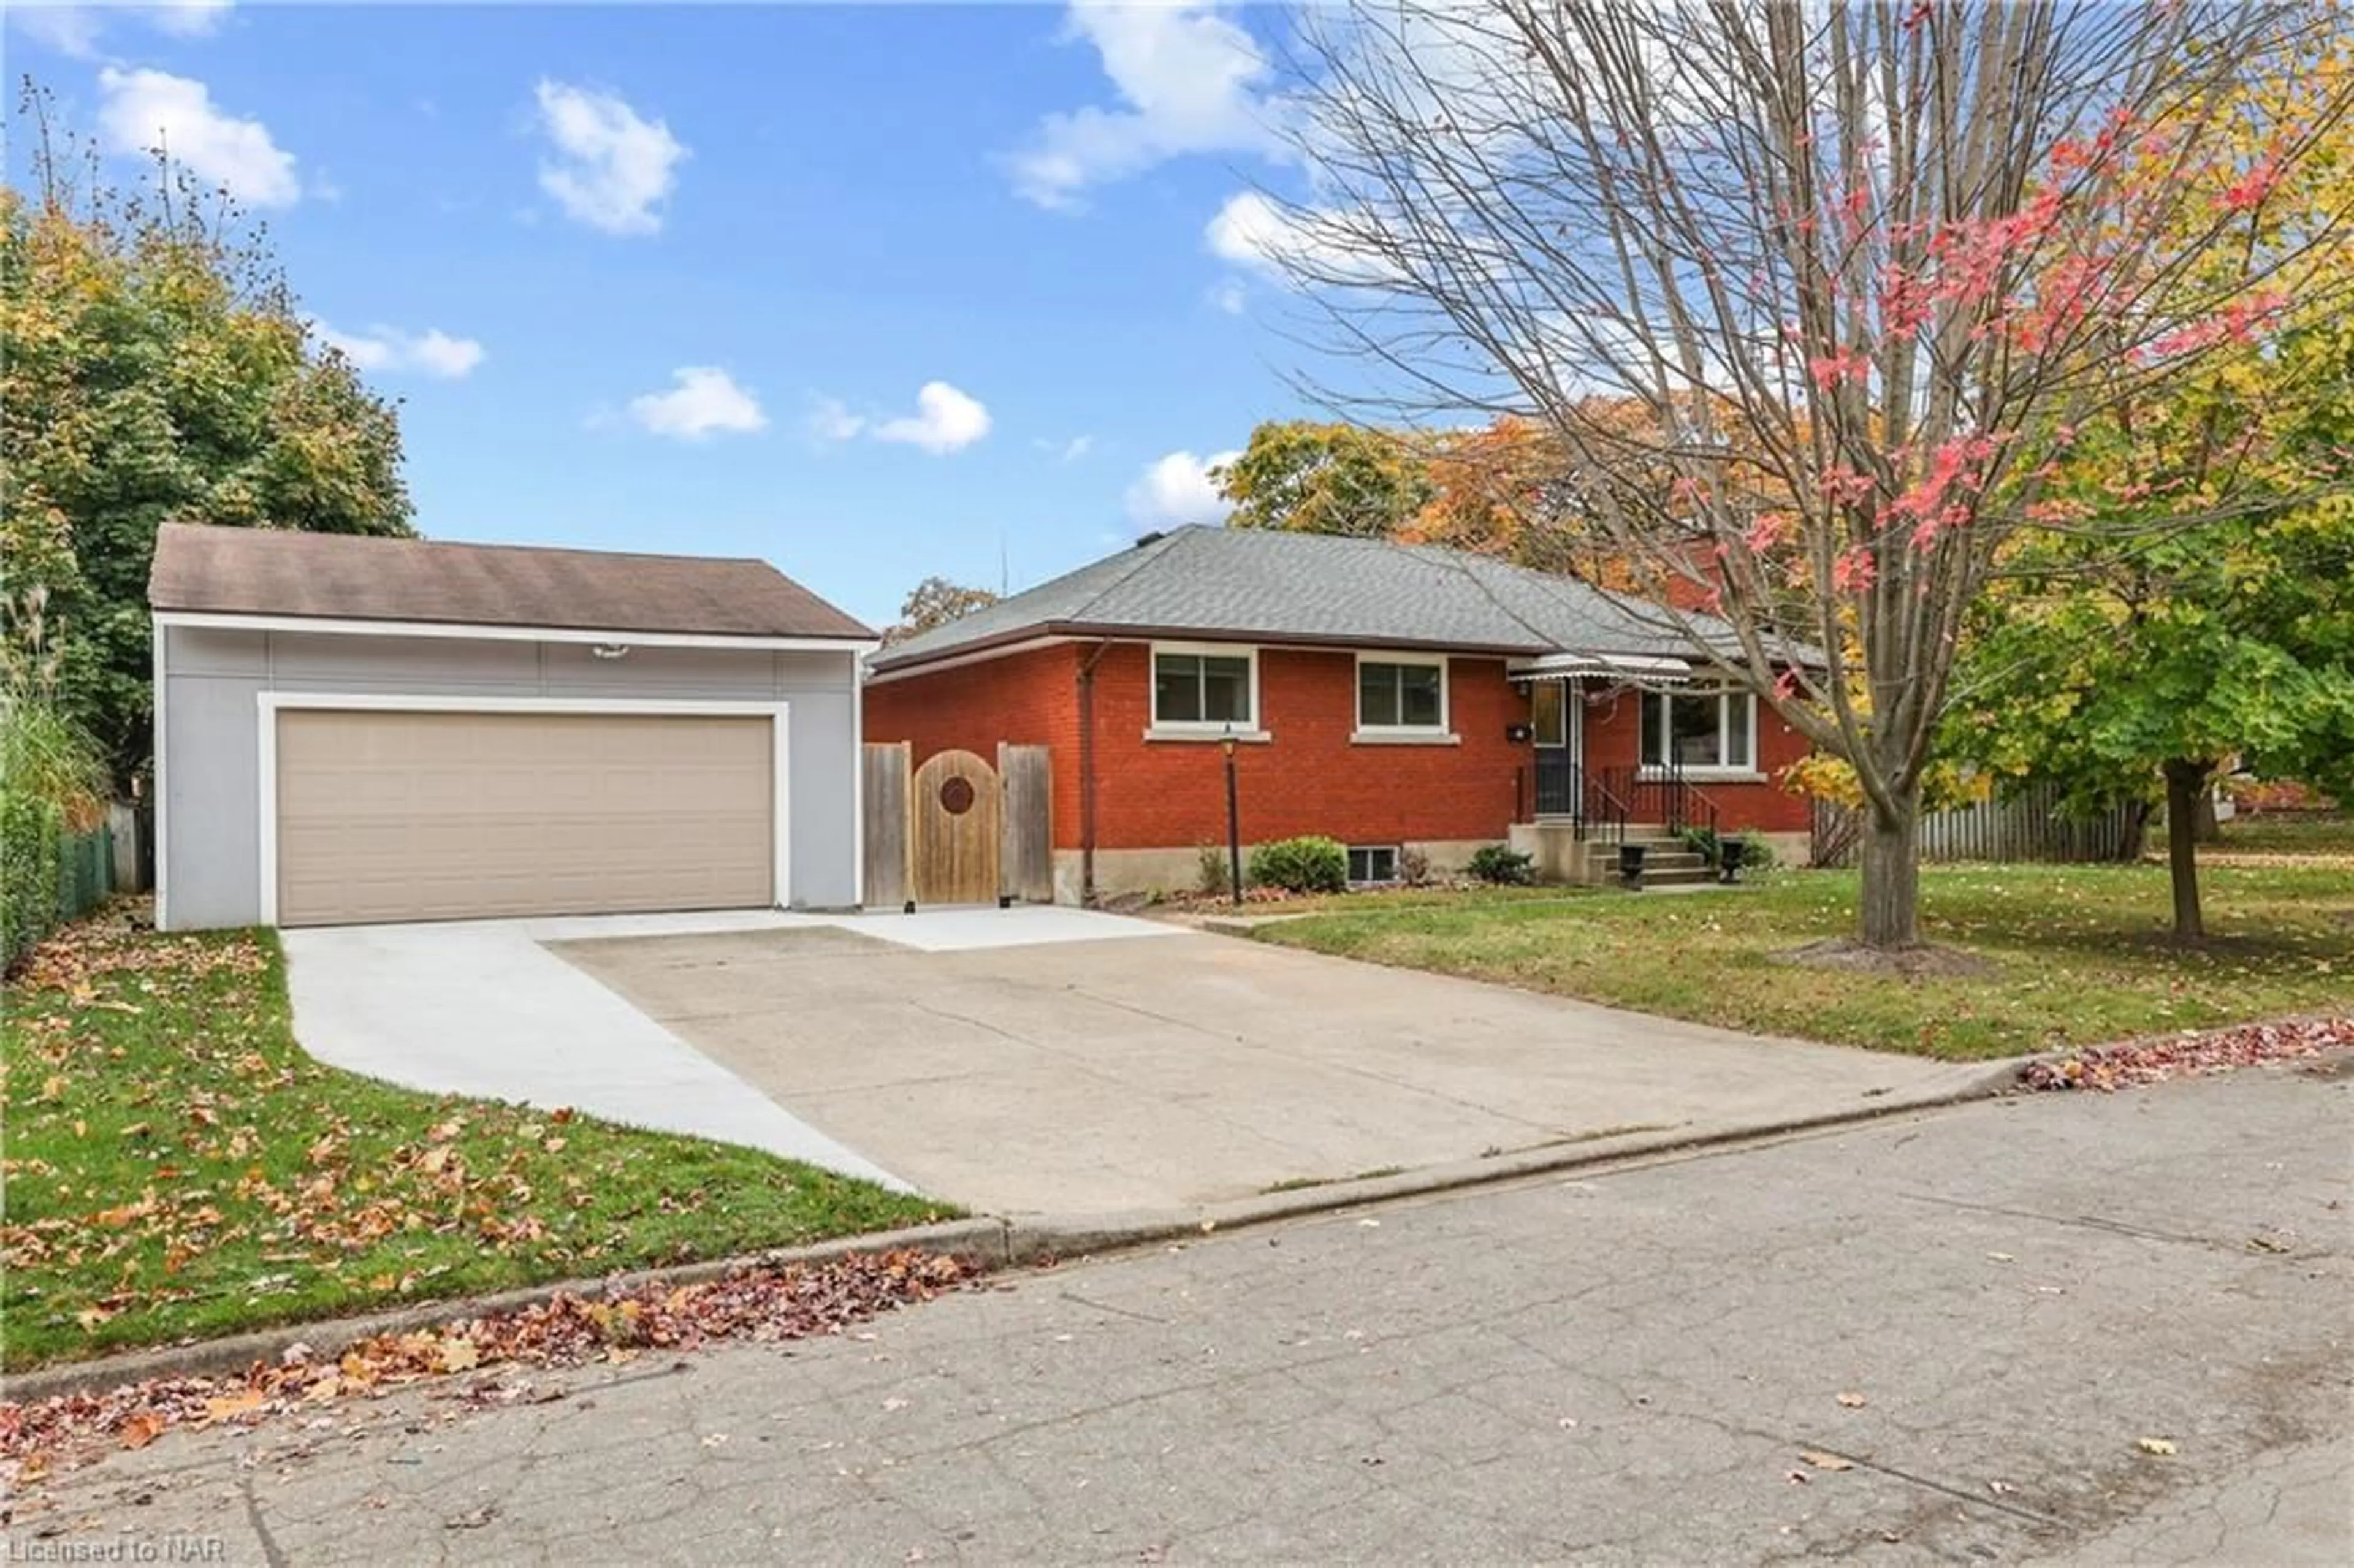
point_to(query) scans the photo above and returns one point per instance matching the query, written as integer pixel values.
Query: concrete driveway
(1093, 1075)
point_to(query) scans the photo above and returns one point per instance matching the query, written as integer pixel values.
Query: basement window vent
(1374, 863)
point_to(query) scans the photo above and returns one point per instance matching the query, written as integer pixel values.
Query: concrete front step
(1678, 877)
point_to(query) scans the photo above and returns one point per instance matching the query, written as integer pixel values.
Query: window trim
(1157, 727)
(1745, 771)
(1441, 731)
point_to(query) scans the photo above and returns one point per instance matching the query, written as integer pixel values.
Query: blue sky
(868, 290)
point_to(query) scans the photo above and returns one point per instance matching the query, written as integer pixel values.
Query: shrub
(1414, 868)
(1704, 842)
(1301, 865)
(1503, 864)
(1210, 877)
(31, 833)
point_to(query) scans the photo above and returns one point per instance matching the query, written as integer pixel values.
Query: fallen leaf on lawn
(553, 1146)
(1853, 1401)
(1822, 1461)
(2161, 1447)
(561, 1115)
(141, 1429)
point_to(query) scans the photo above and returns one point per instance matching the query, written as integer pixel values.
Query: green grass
(177, 1166)
(1373, 899)
(2081, 954)
(2289, 832)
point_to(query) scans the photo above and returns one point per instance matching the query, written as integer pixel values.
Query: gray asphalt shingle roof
(1247, 583)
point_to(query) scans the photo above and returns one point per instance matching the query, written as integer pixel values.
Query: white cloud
(612, 169)
(189, 18)
(1188, 80)
(946, 420)
(429, 352)
(140, 109)
(704, 401)
(832, 420)
(75, 30)
(1254, 231)
(1070, 451)
(1178, 490)
(68, 29)
(1229, 295)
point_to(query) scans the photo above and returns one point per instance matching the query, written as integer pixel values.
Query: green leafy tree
(2126, 675)
(1314, 478)
(935, 602)
(156, 368)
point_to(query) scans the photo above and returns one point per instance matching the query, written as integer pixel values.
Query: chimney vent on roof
(1152, 538)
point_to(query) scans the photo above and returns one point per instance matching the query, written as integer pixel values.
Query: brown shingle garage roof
(341, 576)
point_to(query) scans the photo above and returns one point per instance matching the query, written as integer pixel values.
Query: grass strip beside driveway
(2082, 954)
(177, 1166)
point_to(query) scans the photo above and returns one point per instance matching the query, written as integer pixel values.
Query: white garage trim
(508, 633)
(273, 703)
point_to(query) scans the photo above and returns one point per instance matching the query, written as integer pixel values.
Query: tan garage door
(438, 816)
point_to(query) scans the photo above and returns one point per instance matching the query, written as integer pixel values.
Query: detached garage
(353, 730)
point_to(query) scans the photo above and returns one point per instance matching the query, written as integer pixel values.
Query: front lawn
(177, 1166)
(2080, 954)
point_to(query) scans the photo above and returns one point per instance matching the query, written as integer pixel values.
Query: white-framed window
(1205, 689)
(1703, 731)
(1373, 863)
(1402, 693)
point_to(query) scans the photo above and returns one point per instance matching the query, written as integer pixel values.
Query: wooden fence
(956, 830)
(2023, 824)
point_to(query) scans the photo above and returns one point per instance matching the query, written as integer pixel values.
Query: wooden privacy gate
(956, 830)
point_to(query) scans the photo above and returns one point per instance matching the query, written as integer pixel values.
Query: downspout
(1087, 773)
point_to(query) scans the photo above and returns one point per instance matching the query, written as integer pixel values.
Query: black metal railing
(1660, 795)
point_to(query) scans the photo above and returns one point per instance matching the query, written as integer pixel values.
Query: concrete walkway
(1078, 1077)
(483, 1008)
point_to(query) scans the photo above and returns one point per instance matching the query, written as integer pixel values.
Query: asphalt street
(2078, 1328)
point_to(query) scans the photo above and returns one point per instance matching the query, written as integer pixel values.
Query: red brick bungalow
(1392, 696)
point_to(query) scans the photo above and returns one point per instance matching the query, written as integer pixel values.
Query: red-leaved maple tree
(1862, 271)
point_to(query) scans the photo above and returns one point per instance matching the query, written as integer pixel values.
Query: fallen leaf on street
(2160, 1446)
(2203, 1051)
(141, 1429)
(1853, 1401)
(1822, 1461)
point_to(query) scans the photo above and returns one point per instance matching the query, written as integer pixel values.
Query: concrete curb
(999, 1242)
(330, 1337)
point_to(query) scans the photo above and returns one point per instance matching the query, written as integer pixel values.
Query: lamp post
(1234, 823)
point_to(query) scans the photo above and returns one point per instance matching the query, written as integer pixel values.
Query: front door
(1556, 721)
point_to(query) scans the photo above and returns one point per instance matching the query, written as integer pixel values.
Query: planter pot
(1729, 853)
(1630, 863)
